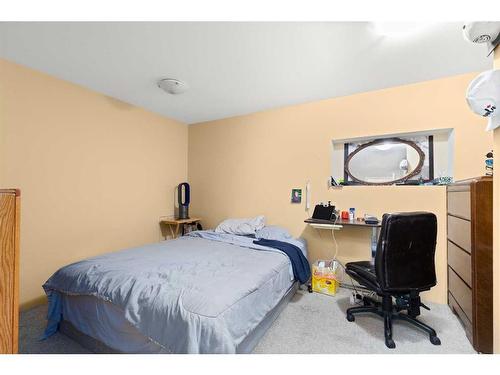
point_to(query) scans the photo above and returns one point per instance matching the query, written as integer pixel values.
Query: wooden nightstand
(176, 226)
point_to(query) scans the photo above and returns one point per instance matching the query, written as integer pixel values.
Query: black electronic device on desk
(324, 212)
(370, 219)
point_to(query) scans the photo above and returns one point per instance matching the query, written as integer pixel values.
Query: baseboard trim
(33, 303)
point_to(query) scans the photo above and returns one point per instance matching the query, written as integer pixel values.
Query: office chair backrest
(405, 252)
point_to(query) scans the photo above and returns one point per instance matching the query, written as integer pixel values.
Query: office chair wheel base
(310, 288)
(435, 340)
(350, 317)
(390, 343)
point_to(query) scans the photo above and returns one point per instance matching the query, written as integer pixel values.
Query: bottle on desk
(352, 214)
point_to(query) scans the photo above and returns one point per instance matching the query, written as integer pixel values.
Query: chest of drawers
(470, 258)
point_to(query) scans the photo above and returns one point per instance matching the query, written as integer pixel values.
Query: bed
(206, 292)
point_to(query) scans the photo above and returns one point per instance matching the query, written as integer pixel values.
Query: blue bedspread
(202, 293)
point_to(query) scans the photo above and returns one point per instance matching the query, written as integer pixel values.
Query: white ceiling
(237, 68)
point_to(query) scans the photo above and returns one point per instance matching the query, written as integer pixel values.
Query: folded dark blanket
(300, 265)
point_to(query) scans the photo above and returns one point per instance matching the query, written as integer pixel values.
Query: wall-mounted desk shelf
(341, 223)
(326, 226)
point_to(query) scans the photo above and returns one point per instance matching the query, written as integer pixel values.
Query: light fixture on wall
(396, 29)
(173, 86)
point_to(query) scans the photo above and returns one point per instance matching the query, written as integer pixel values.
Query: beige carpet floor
(315, 323)
(310, 323)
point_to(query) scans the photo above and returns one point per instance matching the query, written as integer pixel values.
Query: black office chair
(404, 267)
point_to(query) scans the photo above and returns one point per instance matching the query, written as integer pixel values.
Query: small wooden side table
(175, 225)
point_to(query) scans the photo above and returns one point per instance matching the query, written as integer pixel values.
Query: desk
(340, 223)
(178, 224)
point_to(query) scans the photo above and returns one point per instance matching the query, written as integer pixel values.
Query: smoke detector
(483, 32)
(173, 86)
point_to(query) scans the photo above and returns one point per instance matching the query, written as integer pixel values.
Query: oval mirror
(385, 162)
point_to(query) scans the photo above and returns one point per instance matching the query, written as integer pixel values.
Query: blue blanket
(202, 293)
(300, 265)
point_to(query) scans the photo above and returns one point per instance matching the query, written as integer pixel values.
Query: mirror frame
(415, 171)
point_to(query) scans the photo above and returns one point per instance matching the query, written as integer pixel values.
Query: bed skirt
(246, 346)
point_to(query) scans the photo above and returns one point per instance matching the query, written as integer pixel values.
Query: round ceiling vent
(172, 86)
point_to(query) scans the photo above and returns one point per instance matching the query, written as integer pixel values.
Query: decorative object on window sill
(489, 163)
(442, 180)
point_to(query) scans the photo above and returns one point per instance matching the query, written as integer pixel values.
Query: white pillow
(242, 227)
(273, 232)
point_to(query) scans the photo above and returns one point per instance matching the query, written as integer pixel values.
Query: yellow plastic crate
(324, 278)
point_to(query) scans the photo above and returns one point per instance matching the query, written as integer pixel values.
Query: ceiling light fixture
(396, 29)
(173, 86)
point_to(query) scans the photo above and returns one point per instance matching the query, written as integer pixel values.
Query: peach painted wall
(95, 173)
(247, 165)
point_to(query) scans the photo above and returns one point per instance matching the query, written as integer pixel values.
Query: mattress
(190, 295)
